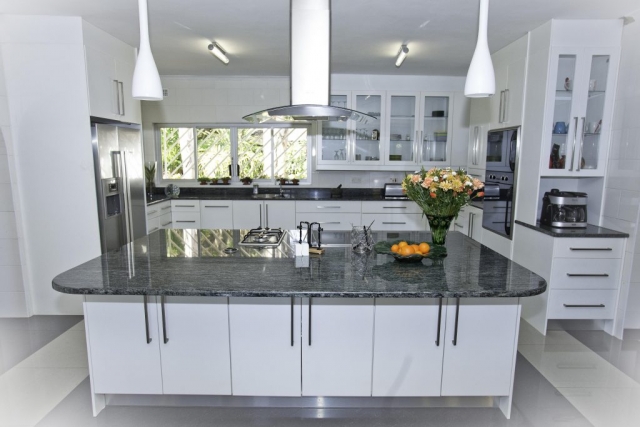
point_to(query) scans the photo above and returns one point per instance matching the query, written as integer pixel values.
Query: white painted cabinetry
(469, 222)
(185, 214)
(159, 216)
(393, 216)
(480, 347)
(265, 346)
(216, 214)
(408, 347)
(337, 346)
(332, 215)
(248, 214)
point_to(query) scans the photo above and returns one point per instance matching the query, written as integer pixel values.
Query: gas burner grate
(264, 237)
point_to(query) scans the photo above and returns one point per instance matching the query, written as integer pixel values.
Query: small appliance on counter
(564, 209)
(393, 191)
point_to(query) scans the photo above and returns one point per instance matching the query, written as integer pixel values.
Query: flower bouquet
(441, 193)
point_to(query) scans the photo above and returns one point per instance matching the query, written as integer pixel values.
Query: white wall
(47, 97)
(622, 186)
(226, 100)
(13, 299)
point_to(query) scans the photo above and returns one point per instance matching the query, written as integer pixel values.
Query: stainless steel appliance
(500, 180)
(119, 175)
(564, 209)
(394, 191)
(263, 237)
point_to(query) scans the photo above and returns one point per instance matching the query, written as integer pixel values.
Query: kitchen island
(173, 314)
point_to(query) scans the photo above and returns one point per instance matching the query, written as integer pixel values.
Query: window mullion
(194, 137)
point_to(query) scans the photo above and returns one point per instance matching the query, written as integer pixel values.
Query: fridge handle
(120, 171)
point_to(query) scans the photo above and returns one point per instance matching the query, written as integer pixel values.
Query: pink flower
(427, 182)
(415, 178)
(477, 184)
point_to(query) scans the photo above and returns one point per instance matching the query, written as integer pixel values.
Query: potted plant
(203, 180)
(295, 181)
(214, 181)
(150, 175)
(283, 181)
(225, 180)
(246, 180)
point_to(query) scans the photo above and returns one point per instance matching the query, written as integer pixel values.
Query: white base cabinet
(337, 346)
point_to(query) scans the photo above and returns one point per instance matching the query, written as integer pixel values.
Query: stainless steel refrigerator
(119, 174)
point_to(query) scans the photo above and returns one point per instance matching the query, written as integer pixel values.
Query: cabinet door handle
(394, 223)
(587, 275)
(310, 320)
(117, 97)
(185, 206)
(590, 249)
(472, 218)
(476, 132)
(266, 215)
(292, 301)
(581, 145)
(584, 305)
(505, 109)
(121, 86)
(458, 225)
(151, 212)
(500, 109)
(394, 207)
(439, 322)
(575, 136)
(331, 222)
(186, 221)
(166, 207)
(164, 225)
(146, 319)
(164, 320)
(328, 207)
(153, 229)
(216, 206)
(455, 330)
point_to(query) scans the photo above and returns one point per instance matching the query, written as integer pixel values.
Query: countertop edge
(608, 233)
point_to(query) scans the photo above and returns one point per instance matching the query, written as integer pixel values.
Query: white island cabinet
(337, 346)
(265, 346)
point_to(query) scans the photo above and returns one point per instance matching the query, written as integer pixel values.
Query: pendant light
(481, 79)
(146, 79)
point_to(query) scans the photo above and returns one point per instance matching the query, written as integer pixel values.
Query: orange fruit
(402, 244)
(395, 248)
(424, 248)
(407, 250)
(416, 248)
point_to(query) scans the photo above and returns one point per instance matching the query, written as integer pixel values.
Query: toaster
(394, 190)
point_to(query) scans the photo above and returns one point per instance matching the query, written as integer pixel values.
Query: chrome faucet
(256, 188)
(281, 191)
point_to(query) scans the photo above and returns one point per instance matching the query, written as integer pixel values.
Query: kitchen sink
(268, 196)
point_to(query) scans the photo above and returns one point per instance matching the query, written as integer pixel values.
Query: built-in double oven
(500, 180)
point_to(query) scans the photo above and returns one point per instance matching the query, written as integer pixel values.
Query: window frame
(235, 179)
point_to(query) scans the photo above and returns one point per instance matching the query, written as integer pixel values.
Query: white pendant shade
(146, 79)
(481, 79)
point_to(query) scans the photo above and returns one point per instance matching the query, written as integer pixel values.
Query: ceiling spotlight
(219, 52)
(404, 50)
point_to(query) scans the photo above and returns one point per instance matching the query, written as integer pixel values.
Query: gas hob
(264, 237)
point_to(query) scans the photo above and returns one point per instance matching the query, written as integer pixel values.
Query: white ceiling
(366, 34)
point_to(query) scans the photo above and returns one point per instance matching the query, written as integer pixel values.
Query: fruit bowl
(384, 247)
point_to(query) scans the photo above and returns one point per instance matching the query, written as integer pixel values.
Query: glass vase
(439, 226)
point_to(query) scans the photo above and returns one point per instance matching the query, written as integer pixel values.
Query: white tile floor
(560, 381)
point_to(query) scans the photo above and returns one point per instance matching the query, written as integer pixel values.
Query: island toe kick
(355, 349)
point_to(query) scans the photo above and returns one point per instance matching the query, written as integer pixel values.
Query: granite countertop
(589, 231)
(192, 263)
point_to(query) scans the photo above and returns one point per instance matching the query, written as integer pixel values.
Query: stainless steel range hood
(310, 69)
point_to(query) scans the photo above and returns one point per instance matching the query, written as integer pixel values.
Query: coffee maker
(564, 209)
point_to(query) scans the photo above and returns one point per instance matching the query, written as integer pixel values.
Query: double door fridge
(120, 183)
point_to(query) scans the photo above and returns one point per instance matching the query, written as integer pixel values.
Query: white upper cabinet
(436, 129)
(510, 65)
(335, 139)
(110, 64)
(580, 96)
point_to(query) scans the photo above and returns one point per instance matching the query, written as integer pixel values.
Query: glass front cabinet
(414, 129)
(578, 120)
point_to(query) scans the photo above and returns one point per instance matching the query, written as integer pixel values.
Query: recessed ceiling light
(402, 54)
(219, 52)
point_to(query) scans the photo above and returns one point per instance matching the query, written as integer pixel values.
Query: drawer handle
(587, 275)
(151, 212)
(186, 221)
(591, 249)
(584, 305)
(154, 229)
(216, 206)
(328, 207)
(164, 225)
(394, 207)
(166, 207)
(396, 223)
(458, 225)
(332, 222)
(185, 206)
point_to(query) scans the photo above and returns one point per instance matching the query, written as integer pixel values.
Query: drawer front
(581, 304)
(575, 273)
(391, 207)
(461, 223)
(159, 209)
(185, 219)
(166, 221)
(216, 214)
(185, 206)
(331, 221)
(588, 248)
(395, 222)
(153, 224)
(328, 206)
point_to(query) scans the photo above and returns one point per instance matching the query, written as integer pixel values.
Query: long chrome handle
(292, 301)
(584, 305)
(505, 110)
(146, 318)
(590, 249)
(154, 229)
(587, 275)
(396, 223)
(575, 136)
(455, 330)
(581, 146)
(310, 320)
(394, 207)
(266, 215)
(121, 85)
(185, 206)
(164, 225)
(328, 207)
(458, 225)
(474, 158)
(187, 221)
(415, 149)
(166, 207)
(331, 222)
(500, 108)
(439, 321)
(469, 225)
(217, 206)
(117, 97)
(164, 320)
(260, 209)
(129, 204)
(151, 212)
(421, 147)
